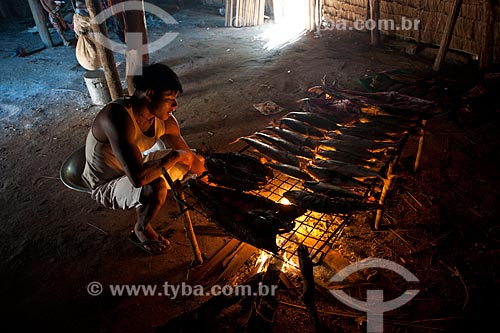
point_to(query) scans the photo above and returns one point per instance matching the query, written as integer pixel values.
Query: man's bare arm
(176, 141)
(120, 131)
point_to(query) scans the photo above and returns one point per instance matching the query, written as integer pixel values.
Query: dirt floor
(440, 223)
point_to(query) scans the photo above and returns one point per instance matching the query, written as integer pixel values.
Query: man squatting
(116, 170)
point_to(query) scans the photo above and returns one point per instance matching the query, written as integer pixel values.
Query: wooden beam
(375, 16)
(41, 22)
(488, 40)
(137, 54)
(448, 33)
(106, 56)
(205, 271)
(241, 255)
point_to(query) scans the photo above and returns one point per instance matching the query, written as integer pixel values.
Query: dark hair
(157, 77)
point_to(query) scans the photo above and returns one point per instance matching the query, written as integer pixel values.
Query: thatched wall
(432, 15)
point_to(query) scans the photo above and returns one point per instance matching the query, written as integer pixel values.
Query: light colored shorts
(119, 193)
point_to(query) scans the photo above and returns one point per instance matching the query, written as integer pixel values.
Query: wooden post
(306, 268)
(385, 188)
(380, 212)
(421, 141)
(188, 227)
(237, 15)
(136, 38)
(310, 19)
(106, 56)
(227, 23)
(319, 16)
(375, 16)
(262, 10)
(40, 21)
(448, 33)
(487, 43)
(231, 13)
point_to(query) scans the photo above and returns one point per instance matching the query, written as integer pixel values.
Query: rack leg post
(188, 226)
(383, 194)
(421, 142)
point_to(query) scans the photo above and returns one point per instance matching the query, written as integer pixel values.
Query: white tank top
(101, 163)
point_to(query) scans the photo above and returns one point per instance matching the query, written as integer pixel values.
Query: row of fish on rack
(335, 150)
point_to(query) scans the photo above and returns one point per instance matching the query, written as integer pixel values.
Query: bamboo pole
(236, 20)
(105, 55)
(262, 8)
(231, 13)
(257, 12)
(488, 40)
(375, 16)
(310, 11)
(41, 23)
(227, 22)
(448, 33)
(317, 17)
(241, 19)
(249, 13)
(242, 14)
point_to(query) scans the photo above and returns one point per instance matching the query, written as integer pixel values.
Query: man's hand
(197, 165)
(174, 157)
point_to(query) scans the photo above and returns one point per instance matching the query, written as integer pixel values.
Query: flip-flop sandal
(163, 240)
(142, 245)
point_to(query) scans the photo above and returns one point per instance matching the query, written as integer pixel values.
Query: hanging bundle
(86, 50)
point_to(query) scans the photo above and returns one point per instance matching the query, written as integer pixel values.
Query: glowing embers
(316, 231)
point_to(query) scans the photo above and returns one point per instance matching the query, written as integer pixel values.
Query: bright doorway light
(290, 23)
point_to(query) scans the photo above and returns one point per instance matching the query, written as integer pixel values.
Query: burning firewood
(306, 268)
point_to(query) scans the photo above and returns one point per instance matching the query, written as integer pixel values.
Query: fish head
(292, 196)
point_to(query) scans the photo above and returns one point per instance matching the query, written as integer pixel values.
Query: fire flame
(285, 201)
(262, 261)
(310, 230)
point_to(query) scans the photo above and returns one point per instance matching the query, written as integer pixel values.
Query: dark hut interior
(350, 152)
